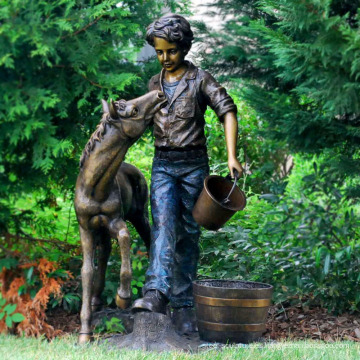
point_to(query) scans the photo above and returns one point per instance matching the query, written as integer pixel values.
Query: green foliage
(58, 59)
(114, 325)
(7, 313)
(297, 63)
(265, 159)
(294, 67)
(304, 242)
(70, 301)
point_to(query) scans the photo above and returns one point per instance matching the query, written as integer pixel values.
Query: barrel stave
(231, 314)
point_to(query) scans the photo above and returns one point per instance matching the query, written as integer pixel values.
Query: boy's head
(172, 28)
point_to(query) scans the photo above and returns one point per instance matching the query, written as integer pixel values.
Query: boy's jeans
(174, 253)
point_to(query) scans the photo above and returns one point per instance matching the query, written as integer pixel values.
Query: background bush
(292, 68)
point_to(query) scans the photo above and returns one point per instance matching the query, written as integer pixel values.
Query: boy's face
(169, 55)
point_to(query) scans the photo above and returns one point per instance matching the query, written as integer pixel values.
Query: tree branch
(6, 251)
(59, 244)
(84, 28)
(93, 83)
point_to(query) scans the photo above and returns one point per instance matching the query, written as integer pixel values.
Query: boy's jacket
(181, 123)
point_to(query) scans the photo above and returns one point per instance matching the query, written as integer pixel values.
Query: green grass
(65, 348)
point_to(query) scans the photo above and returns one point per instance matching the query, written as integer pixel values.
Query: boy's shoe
(184, 320)
(153, 301)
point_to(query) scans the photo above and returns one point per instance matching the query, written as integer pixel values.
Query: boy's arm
(225, 109)
(231, 132)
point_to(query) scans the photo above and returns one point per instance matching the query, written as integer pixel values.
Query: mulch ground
(298, 322)
(295, 323)
(61, 320)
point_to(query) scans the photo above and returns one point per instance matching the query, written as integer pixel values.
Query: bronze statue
(179, 168)
(108, 192)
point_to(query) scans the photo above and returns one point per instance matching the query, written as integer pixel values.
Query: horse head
(134, 116)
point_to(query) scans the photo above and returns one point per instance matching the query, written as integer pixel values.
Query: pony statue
(109, 192)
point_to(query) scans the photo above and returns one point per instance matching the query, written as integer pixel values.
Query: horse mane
(100, 131)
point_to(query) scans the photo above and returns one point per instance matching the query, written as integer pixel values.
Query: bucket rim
(267, 286)
(209, 177)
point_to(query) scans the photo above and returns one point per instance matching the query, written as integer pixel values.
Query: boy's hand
(233, 163)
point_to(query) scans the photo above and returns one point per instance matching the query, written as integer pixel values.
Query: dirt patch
(61, 320)
(232, 284)
(295, 322)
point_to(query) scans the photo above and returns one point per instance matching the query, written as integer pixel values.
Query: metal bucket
(210, 210)
(231, 311)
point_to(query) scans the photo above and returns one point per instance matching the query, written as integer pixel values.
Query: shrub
(25, 294)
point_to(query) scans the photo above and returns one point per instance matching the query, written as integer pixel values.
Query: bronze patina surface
(181, 122)
(109, 192)
(231, 311)
(180, 163)
(179, 168)
(210, 210)
(154, 332)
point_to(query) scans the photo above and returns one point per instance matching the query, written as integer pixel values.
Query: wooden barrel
(230, 311)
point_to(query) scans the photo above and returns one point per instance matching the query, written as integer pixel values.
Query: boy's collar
(190, 73)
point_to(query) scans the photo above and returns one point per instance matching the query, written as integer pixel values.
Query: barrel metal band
(256, 303)
(231, 327)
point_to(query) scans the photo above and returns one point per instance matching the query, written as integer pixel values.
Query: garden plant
(293, 69)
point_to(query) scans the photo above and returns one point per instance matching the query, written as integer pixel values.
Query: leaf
(10, 308)
(8, 322)
(327, 264)
(17, 317)
(315, 167)
(269, 197)
(30, 273)
(317, 257)
(309, 178)
(319, 251)
(8, 263)
(21, 289)
(2, 314)
(7, 61)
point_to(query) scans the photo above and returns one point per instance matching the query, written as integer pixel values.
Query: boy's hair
(172, 28)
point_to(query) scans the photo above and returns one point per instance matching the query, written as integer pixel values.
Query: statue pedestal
(154, 332)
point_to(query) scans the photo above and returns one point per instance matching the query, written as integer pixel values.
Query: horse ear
(105, 106)
(113, 113)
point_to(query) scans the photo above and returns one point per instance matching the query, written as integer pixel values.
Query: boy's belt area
(180, 154)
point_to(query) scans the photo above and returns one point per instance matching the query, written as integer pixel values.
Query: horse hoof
(122, 303)
(85, 338)
(96, 304)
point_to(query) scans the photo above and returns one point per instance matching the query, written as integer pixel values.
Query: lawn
(65, 348)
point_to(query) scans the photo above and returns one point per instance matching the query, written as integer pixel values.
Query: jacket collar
(190, 74)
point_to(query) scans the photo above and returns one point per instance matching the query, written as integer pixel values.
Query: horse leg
(123, 296)
(104, 249)
(141, 223)
(87, 277)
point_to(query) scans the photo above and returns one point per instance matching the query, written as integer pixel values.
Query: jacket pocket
(185, 107)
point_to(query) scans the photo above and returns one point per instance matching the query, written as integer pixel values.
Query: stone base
(154, 332)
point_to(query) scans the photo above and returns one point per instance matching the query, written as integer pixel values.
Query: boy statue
(179, 168)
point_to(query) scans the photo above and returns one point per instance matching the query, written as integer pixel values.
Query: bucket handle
(236, 178)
